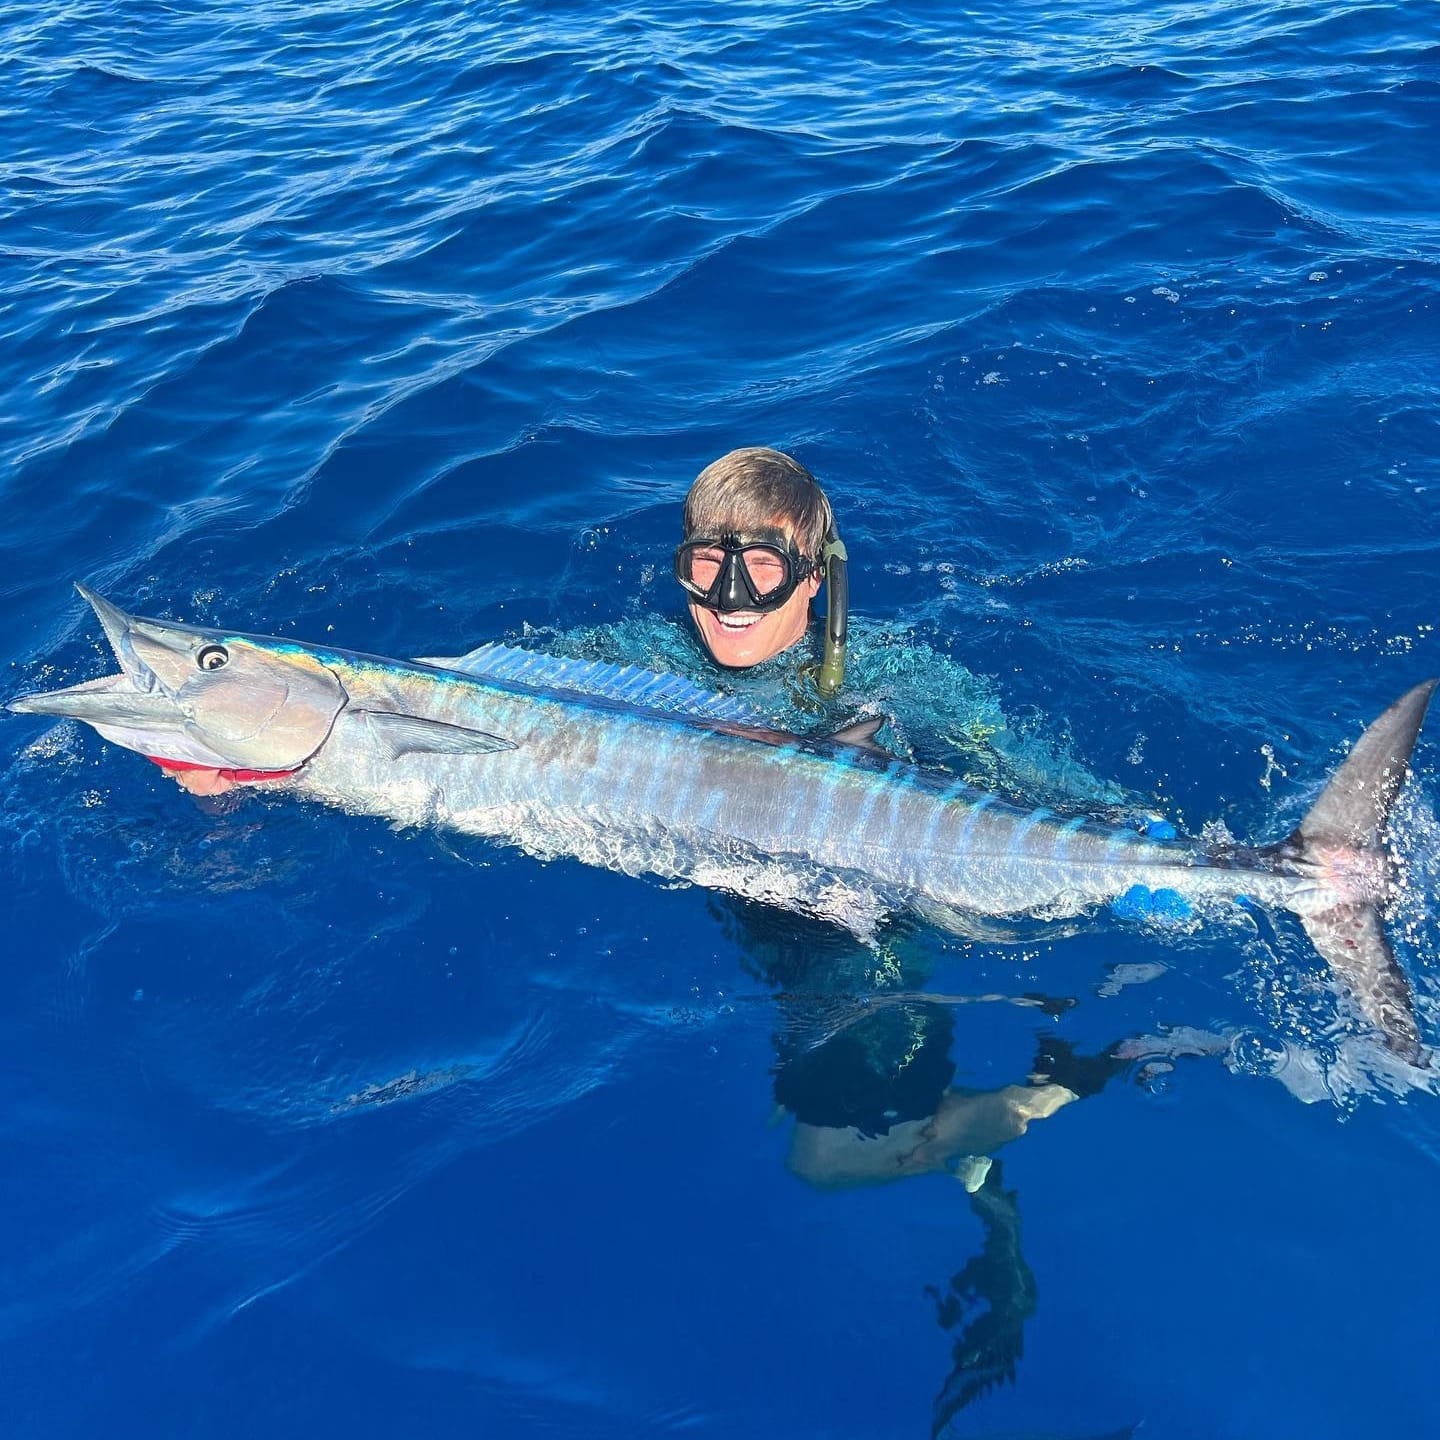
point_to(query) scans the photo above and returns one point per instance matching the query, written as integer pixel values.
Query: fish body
(649, 791)
(645, 774)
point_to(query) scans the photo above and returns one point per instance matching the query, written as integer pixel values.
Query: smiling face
(741, 638)
(751, 496)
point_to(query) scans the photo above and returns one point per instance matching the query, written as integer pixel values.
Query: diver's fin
(648, 689)
(861, 736)
(414, 735)
(1351, 816)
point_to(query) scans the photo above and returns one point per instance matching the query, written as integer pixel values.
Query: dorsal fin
(861, 735)
(645, 689)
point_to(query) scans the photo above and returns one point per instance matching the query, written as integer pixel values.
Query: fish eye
(212, 657)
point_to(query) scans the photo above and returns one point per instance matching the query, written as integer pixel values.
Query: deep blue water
(1111, 331)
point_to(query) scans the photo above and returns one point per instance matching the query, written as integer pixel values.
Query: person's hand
(201, 782)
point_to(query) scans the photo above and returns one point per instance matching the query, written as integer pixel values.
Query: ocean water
(1111, 331)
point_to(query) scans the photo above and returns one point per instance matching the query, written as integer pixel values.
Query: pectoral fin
(413, 735)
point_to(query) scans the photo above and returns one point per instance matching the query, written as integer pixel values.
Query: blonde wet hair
(753, 488)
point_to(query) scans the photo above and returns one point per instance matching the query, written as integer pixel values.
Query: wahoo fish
(649, 773)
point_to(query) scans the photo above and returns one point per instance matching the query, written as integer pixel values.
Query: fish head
(202, 697)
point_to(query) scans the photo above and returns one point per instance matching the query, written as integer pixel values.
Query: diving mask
(734, 573)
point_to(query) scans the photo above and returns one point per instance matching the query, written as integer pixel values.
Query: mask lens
(768, 569)
(702, 565)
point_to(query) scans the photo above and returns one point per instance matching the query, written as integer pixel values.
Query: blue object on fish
(1140, 902)
(1157, 828)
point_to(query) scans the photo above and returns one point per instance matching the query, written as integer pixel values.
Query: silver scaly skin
(644, 774)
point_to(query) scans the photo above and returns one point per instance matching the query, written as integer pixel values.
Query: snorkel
(834, 561)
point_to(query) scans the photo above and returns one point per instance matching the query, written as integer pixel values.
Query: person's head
(755, 524)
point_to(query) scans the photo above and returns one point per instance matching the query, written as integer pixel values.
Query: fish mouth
(138, 696)
(266, 713)
(110, 700)
(116, 624)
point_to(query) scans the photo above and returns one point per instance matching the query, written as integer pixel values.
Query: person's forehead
(782, 527)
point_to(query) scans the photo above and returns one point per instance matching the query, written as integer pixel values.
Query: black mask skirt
(732, 573)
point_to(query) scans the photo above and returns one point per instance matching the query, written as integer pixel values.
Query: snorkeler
(760, 538)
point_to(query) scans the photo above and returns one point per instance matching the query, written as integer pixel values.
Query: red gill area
(224, 774)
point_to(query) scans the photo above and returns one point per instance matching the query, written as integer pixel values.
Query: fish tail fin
(1345, 832)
